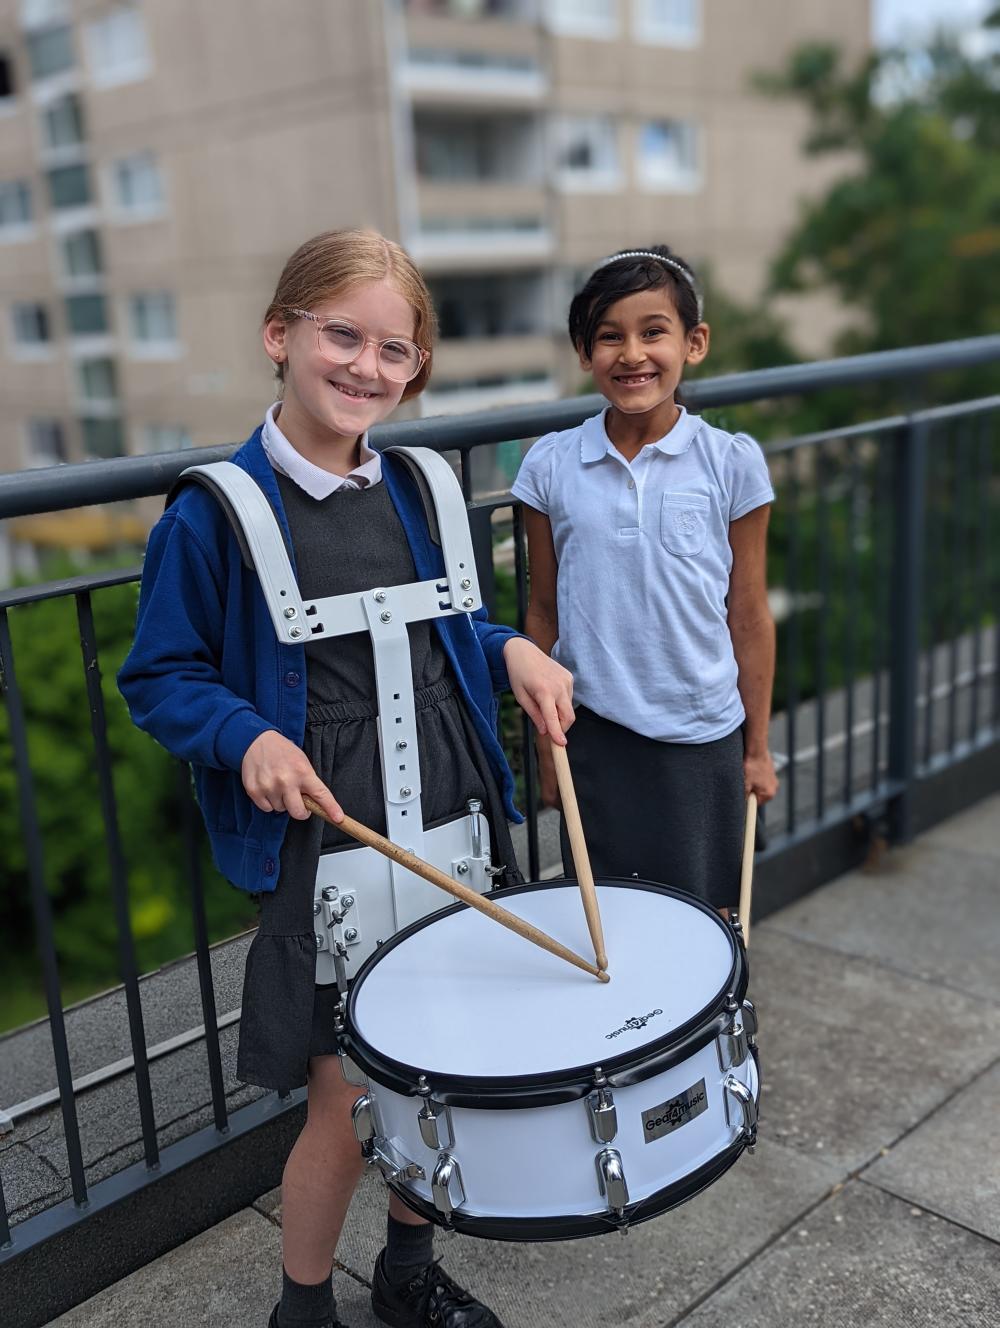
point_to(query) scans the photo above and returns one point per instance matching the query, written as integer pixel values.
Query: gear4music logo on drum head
(673, 1113)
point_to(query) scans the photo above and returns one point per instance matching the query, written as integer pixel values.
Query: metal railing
(886, 557)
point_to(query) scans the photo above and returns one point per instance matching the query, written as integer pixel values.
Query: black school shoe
(273, 1320)
(430, 1299)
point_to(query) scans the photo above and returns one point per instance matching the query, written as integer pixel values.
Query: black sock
(304, 1306)
(408, 1248)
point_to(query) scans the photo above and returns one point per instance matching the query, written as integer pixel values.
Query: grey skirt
(287, 1019)
(663, 811)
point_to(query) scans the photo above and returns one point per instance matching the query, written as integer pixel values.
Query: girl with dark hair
(647, 542)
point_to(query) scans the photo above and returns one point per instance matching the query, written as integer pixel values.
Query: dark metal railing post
(42, 909)
(119, 875)
(209, 1013)
(481, 529)
(906, 590)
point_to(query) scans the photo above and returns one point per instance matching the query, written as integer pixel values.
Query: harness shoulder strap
(259, 536)
(447, 519)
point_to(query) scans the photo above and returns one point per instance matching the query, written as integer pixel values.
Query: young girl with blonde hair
(265, 725)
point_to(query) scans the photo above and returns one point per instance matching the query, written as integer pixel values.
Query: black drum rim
(507, 1092)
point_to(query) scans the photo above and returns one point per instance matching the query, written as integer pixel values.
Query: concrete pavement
(872, 1199)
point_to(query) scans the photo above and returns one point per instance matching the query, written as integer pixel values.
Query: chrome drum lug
(446, 1185)
(603, 1116)
(611, 1179)
(434, 1120)
(363, 1119)
(744, 1100)
(751, 1022)
(732, 1044)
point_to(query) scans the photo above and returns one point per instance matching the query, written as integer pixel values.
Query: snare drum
(512, 1096)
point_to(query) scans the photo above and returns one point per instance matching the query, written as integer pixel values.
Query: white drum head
(464, 996)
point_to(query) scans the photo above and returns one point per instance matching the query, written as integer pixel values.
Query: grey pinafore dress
(286, 1018)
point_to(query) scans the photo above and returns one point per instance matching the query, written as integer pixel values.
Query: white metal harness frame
(383, 611)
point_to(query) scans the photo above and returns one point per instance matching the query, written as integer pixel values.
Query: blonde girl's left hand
(543, 688)
(759, 776)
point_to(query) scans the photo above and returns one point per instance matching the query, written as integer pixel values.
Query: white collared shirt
(644, 563)
(313, 480)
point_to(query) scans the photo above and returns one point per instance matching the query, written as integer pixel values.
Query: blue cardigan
(206, 674)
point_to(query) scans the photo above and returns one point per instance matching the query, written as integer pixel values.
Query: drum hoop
(510, 1092)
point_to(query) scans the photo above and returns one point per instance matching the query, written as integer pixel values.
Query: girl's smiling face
(640, 350)
(324, 403)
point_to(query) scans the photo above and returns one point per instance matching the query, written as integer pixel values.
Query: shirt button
(292, 679)
(631, 484)
(268, 866)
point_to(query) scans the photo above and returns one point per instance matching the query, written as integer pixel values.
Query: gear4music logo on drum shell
(673, 1113)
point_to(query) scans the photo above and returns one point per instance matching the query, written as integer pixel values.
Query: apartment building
(160, 158)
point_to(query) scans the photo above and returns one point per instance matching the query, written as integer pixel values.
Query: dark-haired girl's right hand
(277, 775)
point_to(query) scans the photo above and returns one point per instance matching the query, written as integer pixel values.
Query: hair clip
(667, 262)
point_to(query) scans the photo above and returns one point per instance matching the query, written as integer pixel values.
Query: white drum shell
(466, 1004)
(540, 1161)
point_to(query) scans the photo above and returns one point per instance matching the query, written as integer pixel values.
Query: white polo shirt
(644, 563)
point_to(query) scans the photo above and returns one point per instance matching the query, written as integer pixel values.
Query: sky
(896, 21)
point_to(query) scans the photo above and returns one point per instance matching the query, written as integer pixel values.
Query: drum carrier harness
(361, 897)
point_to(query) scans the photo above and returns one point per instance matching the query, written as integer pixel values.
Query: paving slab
(950, 1163)
(841, 1043)
(228, 1277)
(976, 830)
(26, 1178)
(862, 1258)
(613, 1279)
(929, 910)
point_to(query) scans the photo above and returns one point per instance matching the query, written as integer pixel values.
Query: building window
(69, 186)
(669, 158)
(152, 320)
(583, 18)
(45, 443)
(50, 51)
(164, 438)
(81, 254)
(7, 89)
(667, 22)
(86, 315)
(15, 204)
(97, 379)
(117, 47)
(43, 13)
(30, 324)
(62, 123)
(138, 186)
(103, 437)
(586, 148)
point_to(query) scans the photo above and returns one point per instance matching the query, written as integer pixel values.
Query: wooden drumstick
(581, 858)
(746, 869)
(429, 873)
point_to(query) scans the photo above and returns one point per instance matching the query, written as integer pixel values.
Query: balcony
(456, 243)
(442, 75)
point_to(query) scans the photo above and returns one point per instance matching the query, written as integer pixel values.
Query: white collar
(595, 443)
(313, 480)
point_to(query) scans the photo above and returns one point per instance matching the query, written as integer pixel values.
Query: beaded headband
(672, 263)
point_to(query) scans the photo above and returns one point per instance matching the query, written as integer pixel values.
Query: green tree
(909, 235)
(148, 791)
